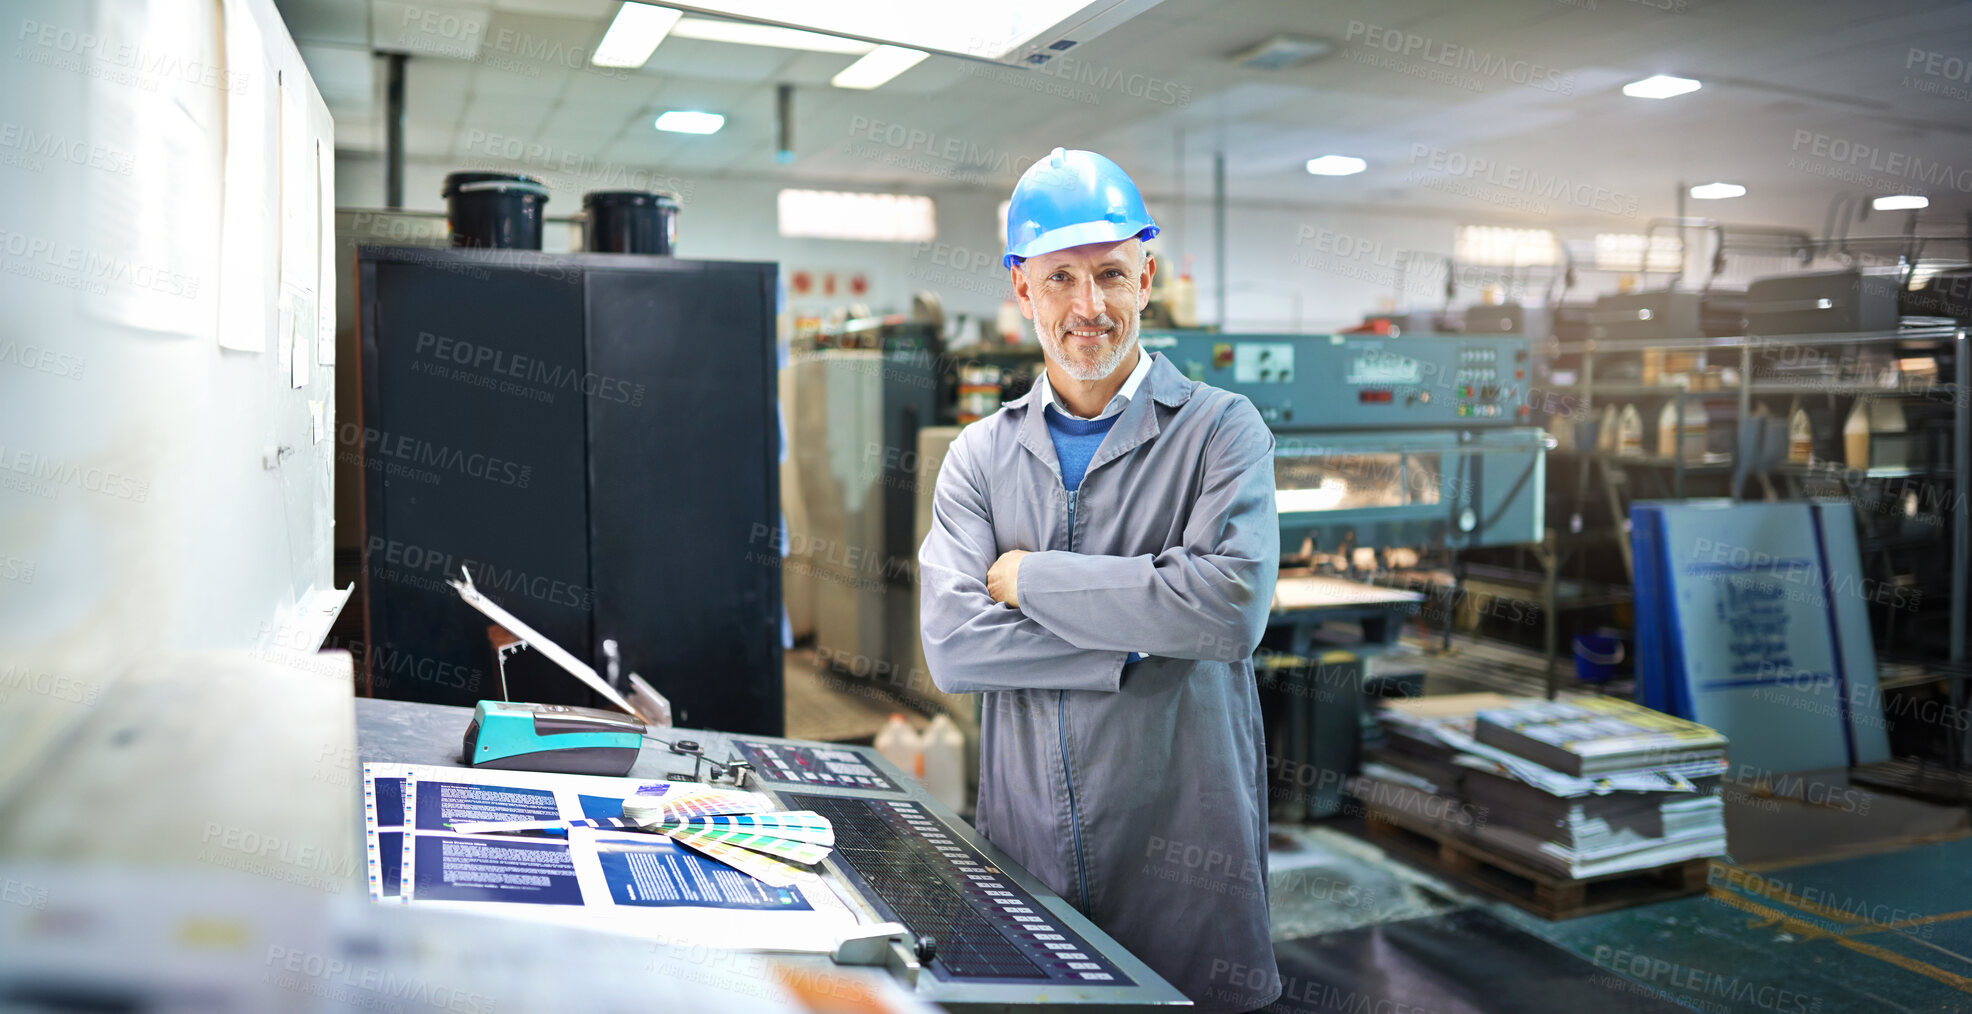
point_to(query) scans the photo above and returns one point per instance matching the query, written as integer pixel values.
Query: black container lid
(484, 181)
(631, 198)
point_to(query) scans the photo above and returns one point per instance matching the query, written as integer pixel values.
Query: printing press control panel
(1349, 381)
(1002, 939)
(999, 940)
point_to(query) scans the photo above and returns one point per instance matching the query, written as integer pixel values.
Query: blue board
(1752, 618)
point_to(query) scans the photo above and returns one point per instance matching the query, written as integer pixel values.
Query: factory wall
(1290, 267)
(735, 219)
(163, 468)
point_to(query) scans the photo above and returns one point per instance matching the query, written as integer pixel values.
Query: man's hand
(1003, 578)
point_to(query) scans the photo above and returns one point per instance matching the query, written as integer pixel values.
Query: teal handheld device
(548, 737)
(552, 737)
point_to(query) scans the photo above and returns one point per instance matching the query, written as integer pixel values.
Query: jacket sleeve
(971, 643)
(1205, 599)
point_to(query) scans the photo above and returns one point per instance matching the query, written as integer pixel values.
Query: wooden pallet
(1932, 783)
(1540, 892)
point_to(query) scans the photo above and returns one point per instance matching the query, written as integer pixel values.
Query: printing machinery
(1381, 442)
(1386, 441)
(983, 935)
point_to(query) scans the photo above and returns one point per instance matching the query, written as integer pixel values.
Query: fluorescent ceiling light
(831, 214)
(1281, 52)
(742, 33)
(1336, 165)
(634, 35)
(1717, 191)
(877, 66)
(987, 30)
(1900, 202)
(682, 121)
(1631, 251)
(1659, 86)
(1505, 246)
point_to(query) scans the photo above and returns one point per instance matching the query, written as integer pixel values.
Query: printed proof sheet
(626, 881)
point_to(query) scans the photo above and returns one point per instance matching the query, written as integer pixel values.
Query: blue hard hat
(1070, 198)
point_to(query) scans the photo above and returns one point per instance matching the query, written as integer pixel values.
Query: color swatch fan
(667, 802)
(728, 826)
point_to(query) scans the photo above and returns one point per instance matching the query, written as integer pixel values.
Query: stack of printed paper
(1462, 765)
(1593, 735)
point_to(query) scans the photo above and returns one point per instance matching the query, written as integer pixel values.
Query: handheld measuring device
(551, 737)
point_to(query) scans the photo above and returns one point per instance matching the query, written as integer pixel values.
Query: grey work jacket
(1138, 793)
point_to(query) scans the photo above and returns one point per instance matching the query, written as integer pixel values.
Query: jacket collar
(1137, 425)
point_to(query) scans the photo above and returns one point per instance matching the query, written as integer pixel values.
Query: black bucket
(630, 221)
(498, 210)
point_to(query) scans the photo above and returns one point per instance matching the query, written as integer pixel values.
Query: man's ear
(1021, 292)
(1144, 279)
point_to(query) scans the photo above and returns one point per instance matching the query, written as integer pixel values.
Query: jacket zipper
(1061, 714)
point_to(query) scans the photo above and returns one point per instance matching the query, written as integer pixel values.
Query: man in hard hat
(1100, 564)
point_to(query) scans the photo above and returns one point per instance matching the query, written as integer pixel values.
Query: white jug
(943, 750)
(900, 745)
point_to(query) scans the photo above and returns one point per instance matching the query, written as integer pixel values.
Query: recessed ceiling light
(1336, 165)
(634, 35)
(1900, 202)
(878, 66)
(745, 34)
(684, 121)
(1282, 51)
(1659, 86)
(985, 30)
(1717, 191)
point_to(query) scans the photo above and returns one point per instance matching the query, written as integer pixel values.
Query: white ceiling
(1775, 72)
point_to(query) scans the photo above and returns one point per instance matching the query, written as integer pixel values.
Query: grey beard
(1104, 367)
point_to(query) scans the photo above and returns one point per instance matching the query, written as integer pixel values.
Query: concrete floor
(1884, 932)
(823, 705)
(1815, 913)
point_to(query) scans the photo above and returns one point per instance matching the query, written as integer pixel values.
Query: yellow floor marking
(1922, 920)
(1856, 925)
(1793, 925)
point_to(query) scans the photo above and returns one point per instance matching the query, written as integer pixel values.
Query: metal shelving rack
(1615, 467)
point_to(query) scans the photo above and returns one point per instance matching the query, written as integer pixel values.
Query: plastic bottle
(1682, 436)
(1561, 426)
(1629, 431)
(900, 745)
(943, 750)
(1800, 436)
(1855, 436)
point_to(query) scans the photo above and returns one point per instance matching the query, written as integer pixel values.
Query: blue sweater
(1075, 443)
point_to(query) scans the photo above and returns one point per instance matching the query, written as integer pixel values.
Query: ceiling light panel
(747, 34)
(686, 121)
(1336, 165)
(1660, 86)
(1717, 191)
(634, 35)
(993, 31)
(878, 66)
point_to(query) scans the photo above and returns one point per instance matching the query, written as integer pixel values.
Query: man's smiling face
(1084, 303)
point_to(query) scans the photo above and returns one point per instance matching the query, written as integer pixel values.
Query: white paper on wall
(148, 256)
(325, 258)
(250, 236)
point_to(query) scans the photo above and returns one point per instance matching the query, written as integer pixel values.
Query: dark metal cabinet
(594, 436)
